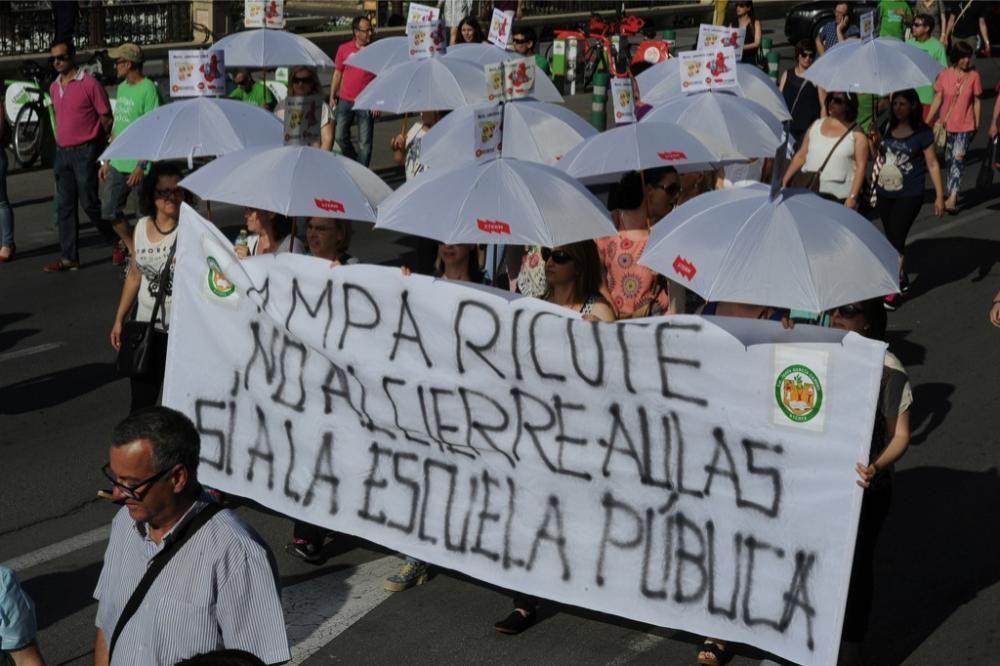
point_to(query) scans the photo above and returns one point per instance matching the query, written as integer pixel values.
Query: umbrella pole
(208, 206)
(291, 243)
(645, 204)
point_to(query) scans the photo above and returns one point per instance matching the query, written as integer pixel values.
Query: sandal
(715, 653)
(515, 623)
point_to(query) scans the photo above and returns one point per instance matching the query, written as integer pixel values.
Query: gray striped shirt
(220, 590)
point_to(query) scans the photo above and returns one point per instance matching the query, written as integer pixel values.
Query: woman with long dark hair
(470, 32)
(747, 19)
(906, 156)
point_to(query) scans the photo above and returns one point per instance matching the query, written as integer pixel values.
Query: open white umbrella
(796, 251)
(381, 54)
(198, 127)
(271, 48)
(502, 201)
(425, 84)
(746, 129)
(603, 158)
(879, 67)
(662, 82)
(480, 54)
(532, 131)
(298, 181)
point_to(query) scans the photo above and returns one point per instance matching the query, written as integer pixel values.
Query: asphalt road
(937, 598)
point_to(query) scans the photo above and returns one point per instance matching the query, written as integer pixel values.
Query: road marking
(59, 549)
(320, 609)
(30, 351)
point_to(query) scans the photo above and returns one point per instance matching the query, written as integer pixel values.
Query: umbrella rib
(732, 241)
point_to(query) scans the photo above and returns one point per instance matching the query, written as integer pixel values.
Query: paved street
(937, 597)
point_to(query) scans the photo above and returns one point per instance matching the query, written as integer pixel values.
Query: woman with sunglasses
(154, 238)
(573, 273)
(906, 155)
(747, 19)
(802, 96)
(957, 96)
(304, 82)
(643, 199)
(270, 233)
(836, 148)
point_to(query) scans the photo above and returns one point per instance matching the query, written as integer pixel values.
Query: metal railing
(29, 27)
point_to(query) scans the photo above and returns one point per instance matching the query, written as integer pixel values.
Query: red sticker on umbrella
(329, 205)
(671, 155)
(493, 226)
(684, 268)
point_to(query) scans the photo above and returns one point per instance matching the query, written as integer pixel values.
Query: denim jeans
(6, 213)
(75, 171)
(344, 117)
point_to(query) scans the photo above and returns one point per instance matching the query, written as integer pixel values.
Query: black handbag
(990, 160)
(137, 349)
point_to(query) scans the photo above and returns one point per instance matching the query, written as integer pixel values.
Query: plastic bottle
(241, 240)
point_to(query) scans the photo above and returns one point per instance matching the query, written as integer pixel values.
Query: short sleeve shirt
(632, 286)
(354, 80)
(79, 106)
(892, 24)
(904, 167)
(258, 95)
(957, 97)
(828, 33)
(935, 49)
(968, 25)
(17, 613)
(132, 102)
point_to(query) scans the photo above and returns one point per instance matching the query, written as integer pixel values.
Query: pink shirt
(632, 287)
(355, 79)
(79, 107)
(960, 118)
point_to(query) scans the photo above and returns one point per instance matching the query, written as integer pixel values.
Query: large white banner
(686, 472)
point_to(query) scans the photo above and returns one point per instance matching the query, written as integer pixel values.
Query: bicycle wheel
(28, 135)
(592, 57)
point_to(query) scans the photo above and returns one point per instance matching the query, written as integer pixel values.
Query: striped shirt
(220, 590)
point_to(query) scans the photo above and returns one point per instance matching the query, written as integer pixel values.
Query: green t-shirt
(131, 102)
(934, 49)
(259, 95)
(541, 64)
(891, 22)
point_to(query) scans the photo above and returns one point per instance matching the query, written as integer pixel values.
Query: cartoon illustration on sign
(718, 66)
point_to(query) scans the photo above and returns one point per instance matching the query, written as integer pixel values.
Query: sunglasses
(671, 189)
(59, 58)
(299, 79)
(557, 256)
(849, 311)
(171, 193)
(918, 25)
(517, 40)
(807, 54)
(133, 492)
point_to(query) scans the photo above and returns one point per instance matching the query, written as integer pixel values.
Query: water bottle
(241, 240)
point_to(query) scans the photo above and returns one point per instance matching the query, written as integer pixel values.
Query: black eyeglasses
(59, 58)
(299, 79)
(133, 492)
(849, 311)
(557, 256)
(172, 193)
(671, 189)
(917, 24)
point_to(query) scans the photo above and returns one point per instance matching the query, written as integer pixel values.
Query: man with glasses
(250, 91)
(136, 96)
(922, 28)
(348, 82)
(83, 121)
(219, 590)
(838, 29)
(524, 40)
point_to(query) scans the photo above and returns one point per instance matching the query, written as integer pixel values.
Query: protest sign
(488, 133)
(866, 22)
(494, 81)
(500, 27)
(194, 72)
(419, 13)
(707, 70)
(712, 37)
(425, 39)
(635, 468)
(264, 14)
(622, 100)
(303, 120)
(518, 77)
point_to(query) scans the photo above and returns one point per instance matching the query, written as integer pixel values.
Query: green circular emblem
(217, 282)
(798, 393)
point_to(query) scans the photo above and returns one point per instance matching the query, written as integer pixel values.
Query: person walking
(348, 82)
(923, 29)
(967, 23)
(221, 588)
(838, 29)
(83, 121)
(957, 97)
(803, 98)
(136, 96)
(747, 19)
(906, 153)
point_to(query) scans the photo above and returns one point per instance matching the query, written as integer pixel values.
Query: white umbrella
(270, 48)
(662, 82)
(199, 127)
(796, 251)
(425, 84)
(879, 67)
(381, 55)
(605, 157)
(298, 181)
(532, 131)
(480, 54)
(502, 201)
(746, 129)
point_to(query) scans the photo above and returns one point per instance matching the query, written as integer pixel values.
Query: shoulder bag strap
(832, 150)
(158, 563)
(964, 9)
(164, 272)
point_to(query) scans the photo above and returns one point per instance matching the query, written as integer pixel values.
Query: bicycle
(27, 103)
(596, 49)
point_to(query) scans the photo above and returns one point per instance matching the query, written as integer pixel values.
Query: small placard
(623, 100)
(264, 14)
(303, 120)
(867, 24)
(707, 70)
(500, 27)
(711, 37)
(426, 39)
(421, 14)
(194, 73)
(488, 133)
(519, 77)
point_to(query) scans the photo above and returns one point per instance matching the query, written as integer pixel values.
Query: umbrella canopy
(502, 201)
(797, 251)
(662, 82)
(270, 48)
(198, 127)
(532, 131)
(745, 128)
(298, 181)
(480, 54)
(603, 158)
(879, 67)
(424, 84)
(381, 55)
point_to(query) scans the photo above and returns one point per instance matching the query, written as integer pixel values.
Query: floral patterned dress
(633, 288)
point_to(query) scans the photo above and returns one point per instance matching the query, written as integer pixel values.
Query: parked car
(805, 19)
